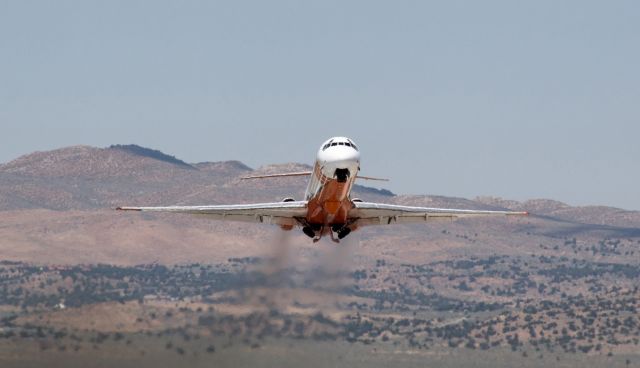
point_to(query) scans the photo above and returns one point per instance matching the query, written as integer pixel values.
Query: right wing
(369, 213)
(278, 213)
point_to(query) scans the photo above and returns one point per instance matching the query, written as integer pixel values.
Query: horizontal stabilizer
(371, 178)
(301, 173)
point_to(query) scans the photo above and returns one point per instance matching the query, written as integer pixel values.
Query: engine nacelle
(288, 199)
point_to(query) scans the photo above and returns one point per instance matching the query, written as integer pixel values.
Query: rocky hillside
(56, 206)
(83, 177)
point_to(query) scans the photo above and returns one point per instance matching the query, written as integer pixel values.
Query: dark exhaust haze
(292, 273)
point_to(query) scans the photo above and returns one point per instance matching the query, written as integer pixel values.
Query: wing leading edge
(369, 213)
(277, 213)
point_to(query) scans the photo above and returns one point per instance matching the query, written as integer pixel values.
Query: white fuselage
(334, 155)
(328, 193)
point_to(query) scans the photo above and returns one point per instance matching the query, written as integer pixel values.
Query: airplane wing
(277, 213)
(369, 213)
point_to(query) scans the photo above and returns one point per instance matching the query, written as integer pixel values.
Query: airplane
(327, 208)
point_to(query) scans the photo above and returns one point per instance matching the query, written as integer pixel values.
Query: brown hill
(56, 206)
(83, 177)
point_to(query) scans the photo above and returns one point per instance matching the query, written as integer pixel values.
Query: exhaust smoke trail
(270, 281)
(282, 258)
(332, 268)
(287, 279)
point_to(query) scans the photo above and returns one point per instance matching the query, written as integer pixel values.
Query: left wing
(368, 213)
(278, 213)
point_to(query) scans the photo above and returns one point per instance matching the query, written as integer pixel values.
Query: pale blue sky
(508, 98)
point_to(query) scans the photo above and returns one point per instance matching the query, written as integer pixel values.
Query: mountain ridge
(57, 206)
(83, 177)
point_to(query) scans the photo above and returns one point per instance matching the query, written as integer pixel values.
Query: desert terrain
(84, 285)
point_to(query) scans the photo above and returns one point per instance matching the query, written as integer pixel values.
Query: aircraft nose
(344, 158)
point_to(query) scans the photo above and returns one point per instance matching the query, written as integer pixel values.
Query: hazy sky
(536, 99)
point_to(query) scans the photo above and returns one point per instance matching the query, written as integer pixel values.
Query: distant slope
(597, 215)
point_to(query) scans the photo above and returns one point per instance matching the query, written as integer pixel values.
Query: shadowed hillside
(147, 152)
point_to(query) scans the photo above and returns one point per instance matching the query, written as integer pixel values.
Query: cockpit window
(331, 143)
